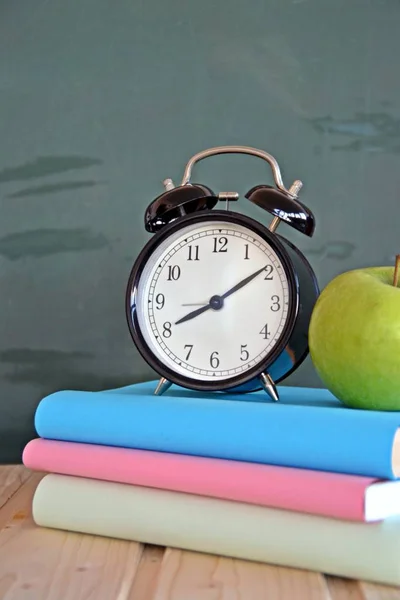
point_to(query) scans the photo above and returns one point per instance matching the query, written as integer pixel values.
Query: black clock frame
(303, 291)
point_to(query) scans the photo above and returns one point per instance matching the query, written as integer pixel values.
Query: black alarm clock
(217, 301)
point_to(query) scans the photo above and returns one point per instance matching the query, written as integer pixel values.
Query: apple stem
(396, 271)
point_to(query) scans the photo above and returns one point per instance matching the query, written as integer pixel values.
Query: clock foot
(162, 386)
(269, 386)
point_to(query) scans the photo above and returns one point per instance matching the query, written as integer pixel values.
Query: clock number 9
(160, 301)
(214, 360)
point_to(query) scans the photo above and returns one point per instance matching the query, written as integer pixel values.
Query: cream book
(369, 551)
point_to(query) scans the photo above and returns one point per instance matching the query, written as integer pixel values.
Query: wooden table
(44, 564)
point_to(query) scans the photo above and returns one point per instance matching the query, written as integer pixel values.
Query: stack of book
(304, 483)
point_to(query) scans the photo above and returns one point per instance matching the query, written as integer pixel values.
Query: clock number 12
(220, 244)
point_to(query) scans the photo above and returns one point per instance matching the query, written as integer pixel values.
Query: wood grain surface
(43, 564)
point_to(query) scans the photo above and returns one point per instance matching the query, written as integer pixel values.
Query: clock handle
(281, 202)
(292, 191)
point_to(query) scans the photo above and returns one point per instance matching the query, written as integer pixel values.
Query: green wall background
(100, 101)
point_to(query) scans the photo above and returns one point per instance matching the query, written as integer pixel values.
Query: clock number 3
(275, 303)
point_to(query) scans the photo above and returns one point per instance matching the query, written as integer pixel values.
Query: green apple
(354, 338)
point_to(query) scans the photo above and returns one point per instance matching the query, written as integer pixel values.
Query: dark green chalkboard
(100, 101)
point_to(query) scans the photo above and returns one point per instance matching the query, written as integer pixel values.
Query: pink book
(333, 495)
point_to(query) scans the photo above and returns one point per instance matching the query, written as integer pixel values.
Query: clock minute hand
(217, 302)
(242, 283)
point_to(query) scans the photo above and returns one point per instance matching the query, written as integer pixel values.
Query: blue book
(308, 428)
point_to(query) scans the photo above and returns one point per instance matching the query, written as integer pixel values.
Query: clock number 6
(214, 360)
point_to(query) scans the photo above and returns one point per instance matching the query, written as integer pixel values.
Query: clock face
(212, 300)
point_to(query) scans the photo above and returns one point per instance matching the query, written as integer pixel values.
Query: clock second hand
(194, 304)
(216, 302)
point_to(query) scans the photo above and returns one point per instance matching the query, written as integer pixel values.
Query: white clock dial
(206, 261)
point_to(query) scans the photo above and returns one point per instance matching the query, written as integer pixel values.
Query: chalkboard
(100, 101)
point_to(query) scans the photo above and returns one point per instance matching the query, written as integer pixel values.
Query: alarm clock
(217, 301)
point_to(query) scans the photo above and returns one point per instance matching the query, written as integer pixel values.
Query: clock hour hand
(194, 313)
(217, 302)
